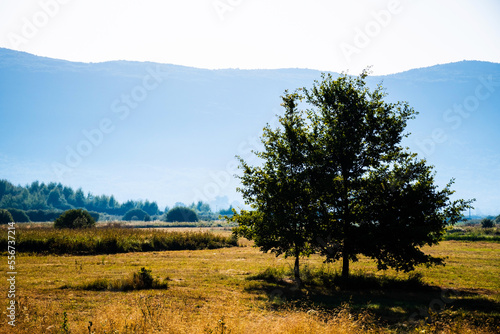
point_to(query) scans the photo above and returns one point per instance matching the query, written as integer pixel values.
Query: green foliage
(94, 241)
(336, 180)
(19, 216)
(181, 214)
(5, 217)
(280, 190)
(136, 214)
(487, 223)
(74, 218)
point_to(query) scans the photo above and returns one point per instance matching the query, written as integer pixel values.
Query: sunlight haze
(391, 36)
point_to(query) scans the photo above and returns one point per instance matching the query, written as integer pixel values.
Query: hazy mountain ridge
(172, 142)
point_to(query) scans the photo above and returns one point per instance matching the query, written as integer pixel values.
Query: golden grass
(209, 292)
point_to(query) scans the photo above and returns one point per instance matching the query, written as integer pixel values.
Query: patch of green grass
(325, 276)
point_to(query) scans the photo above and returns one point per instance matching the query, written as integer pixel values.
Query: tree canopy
(181, 214)
(336, 180)
(74, 218)
(136, 214)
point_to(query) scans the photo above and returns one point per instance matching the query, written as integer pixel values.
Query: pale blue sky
(319, 34)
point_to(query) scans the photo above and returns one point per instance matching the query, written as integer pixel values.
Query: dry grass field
(227, 290)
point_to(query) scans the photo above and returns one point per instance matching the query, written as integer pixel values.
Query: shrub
(19, 216)
(487, 223)
(141, 280)
(5, 217)
(136, 214)
(74, 218)
(181, 214)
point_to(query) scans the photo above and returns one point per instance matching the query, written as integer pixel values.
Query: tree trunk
(345, 263)
(296, 269)
(347, 224)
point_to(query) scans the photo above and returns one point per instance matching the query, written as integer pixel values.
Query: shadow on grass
(390, 299)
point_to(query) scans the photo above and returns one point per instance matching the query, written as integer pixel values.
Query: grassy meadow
(110, 239)
(241, 290)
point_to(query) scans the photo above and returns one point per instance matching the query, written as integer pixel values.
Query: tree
(56, 199)
(5, 217)
(79, 198)
(280, 191)
(136, 214)
(74, 218)
(181, 214)
(151, 208)
(487, 223)
(336, 180)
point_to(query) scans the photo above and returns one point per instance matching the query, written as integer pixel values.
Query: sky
(391, 36)
(341, 36)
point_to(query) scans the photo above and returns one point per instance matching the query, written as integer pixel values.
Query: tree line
(55, 196)
(44, 202)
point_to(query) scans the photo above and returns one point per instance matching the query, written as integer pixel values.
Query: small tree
(487, 223)
(136, 214)
(74, 218)
(5, 217)
(280, 191)
(181, 214)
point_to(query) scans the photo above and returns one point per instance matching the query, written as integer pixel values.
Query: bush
(136, 214)
(181, 214)
(487, 223)
(19, 216)
(74, 218)
(5, 217)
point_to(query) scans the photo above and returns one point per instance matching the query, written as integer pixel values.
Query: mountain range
(169, 133)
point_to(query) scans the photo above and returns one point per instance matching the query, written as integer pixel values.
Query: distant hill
(170, 133)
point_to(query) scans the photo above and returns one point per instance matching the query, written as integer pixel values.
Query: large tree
(337, 180)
